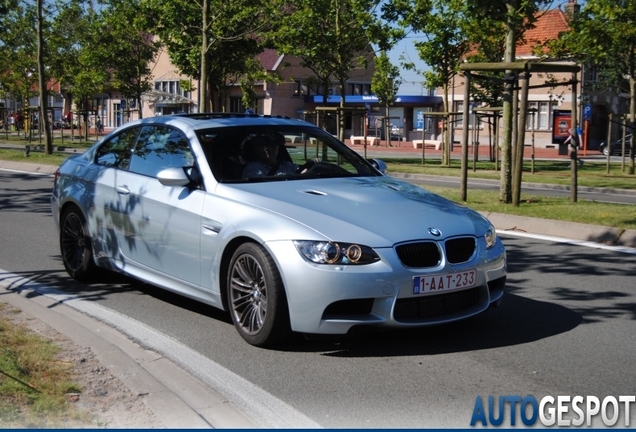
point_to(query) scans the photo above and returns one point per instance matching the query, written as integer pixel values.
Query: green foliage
(79, 52)
(386, 80)
(130, 47)
(332, 38)
(213, 41)
(603, 35)
(18, 47)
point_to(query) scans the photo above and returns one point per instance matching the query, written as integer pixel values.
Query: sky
(411, 80)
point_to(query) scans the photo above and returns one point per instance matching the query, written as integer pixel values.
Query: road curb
(562, 229)
(29, 167)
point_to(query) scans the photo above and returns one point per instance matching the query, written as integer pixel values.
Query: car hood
(381, 210)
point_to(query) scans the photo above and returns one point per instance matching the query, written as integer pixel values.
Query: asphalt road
(567, 327)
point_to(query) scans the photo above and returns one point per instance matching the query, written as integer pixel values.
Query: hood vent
(314, 192)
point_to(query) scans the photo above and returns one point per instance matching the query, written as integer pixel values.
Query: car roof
(200, 121)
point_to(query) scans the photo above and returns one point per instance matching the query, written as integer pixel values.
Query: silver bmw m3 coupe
(275, 221)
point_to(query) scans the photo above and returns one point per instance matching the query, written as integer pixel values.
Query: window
(542, 116)
(300, 89)
(236, 105)
(358, 89)
(158, 148)
(116, 151)
(459, 119)
(172, 87)
(473, 120)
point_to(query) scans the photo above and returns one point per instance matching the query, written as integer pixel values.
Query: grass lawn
(33, 381)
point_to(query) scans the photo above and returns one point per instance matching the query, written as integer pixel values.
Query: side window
(158, 148)
(116, 151)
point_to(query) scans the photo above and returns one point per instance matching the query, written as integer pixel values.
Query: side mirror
(378, 164)
(173, 177)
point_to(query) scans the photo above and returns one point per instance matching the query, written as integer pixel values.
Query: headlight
(324, 252)
(491, 237)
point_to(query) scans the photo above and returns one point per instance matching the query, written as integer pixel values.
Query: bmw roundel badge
(435, 232)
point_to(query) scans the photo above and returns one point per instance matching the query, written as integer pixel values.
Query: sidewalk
(484, 150)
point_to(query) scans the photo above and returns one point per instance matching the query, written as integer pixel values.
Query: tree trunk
(632, 119)
(204, 100)
(505, 191)
(44, 125)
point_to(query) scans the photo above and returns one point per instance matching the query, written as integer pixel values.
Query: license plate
(440, 283)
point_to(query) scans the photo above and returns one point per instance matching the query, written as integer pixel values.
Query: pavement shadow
(518, 321)
(25, 199)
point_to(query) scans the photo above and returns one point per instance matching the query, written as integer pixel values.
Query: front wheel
(256, 297)
(75, 245)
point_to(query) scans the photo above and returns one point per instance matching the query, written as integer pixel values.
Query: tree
(131, 47)
(19, 52)
(603, 35)
(43, 78)
(78, 51)
(445, 47)
(212, 39)
(385, 85)
(332, 38)
(515, 15)
(444, 44)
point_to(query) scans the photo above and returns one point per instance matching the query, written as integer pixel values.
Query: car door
(159, 226)
(111, 160)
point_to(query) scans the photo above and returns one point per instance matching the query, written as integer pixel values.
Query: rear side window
(116, 151)
(158, 148)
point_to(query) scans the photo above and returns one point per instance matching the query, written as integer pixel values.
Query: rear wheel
(256, 297)
(75, 245)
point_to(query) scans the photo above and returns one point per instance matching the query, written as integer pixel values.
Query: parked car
(617, 146)
(181, 202)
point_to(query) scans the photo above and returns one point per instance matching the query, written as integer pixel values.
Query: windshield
(275, 152)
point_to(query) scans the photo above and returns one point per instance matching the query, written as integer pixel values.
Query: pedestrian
(11, 121)
(99, 125)
(574, 145)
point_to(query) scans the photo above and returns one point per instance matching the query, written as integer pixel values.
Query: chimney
(572, 8)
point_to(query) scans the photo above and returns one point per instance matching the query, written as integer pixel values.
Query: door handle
(122, 190)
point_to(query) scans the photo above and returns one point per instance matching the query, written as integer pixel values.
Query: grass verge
(33, 382)
(622, 216)
(591, 174)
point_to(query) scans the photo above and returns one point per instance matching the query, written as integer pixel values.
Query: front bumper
(325, 299)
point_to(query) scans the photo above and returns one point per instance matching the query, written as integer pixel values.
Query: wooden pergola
(519, 72)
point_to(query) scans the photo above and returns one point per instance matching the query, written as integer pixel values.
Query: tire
(75, 246)
(256, 297)
(606, 151)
